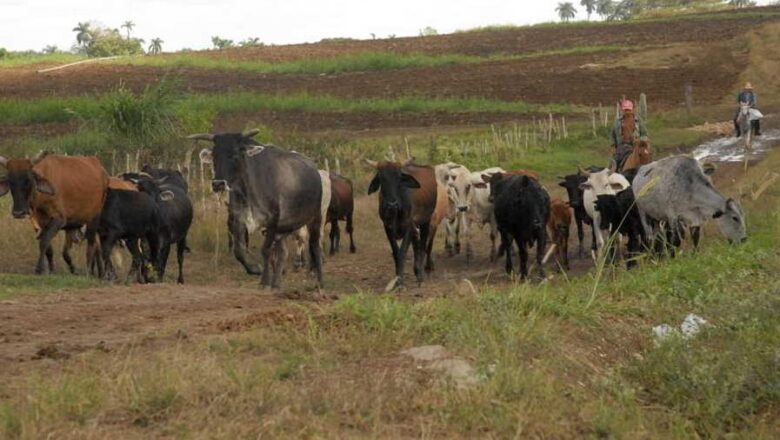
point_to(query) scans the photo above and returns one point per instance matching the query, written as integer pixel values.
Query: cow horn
(3, 161)
(371, 163)
(201, 137)
(585, 173)
(147, 175)
(612, 166)
(250, 133)
(39, 157)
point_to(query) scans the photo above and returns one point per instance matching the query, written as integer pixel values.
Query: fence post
(338, 166)
(593, 121)
(688, 90)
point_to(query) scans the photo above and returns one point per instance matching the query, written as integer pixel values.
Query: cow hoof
(394, 284)
(352, 249)
(254, 270)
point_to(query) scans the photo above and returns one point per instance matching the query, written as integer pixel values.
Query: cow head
(572, 183)
(604, 182)
(496, 180)
(23, 181)
(392, 182)
(148, 184)
(731, 221)
(227, 156)
(457, 180)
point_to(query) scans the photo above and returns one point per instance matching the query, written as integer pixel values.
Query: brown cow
(558, 227)
(118, 183)
(523, 172)
(439, 214)
(57, 192)
(342, 206)
(407, 199)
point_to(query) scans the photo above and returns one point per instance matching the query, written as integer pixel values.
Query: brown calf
(57, 192)
(558, 227)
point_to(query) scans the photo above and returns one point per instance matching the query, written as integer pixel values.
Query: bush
(3, 53)
(106, 43)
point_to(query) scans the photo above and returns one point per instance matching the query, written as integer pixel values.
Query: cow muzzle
(19, 214)
(219, 186)
(463, 208)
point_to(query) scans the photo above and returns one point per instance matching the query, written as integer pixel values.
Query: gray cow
(270, 189)
(677, 191)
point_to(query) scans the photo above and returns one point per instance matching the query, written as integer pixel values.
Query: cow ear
(562, 184)
(479, 185)
(43, 185)
(616, 186)
(4, 187)
(167, 196)
(374, 185)
(408, 181)
(718, 214)
(206, 156)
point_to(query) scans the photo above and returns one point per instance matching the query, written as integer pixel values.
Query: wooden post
(127, 162)
(338, 166)
(113, 162)
(643, 106)
(563, 125)
(549, 135)
(327, 165)
(593, 121)
(688, 90)
(408, 152)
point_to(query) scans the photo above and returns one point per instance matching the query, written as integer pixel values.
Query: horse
(745, 126)
(640, 155)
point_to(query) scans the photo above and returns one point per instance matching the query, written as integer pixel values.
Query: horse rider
(628, 127)
(748, 95)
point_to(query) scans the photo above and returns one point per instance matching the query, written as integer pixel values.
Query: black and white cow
(270, 189)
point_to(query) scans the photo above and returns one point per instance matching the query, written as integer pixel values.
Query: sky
(34, 24)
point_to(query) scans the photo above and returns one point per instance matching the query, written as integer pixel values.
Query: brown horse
(640, 155)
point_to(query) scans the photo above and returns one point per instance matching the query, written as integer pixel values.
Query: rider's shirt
(748, 96)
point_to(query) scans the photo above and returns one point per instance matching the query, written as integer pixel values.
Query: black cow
(407, 199)
(572, 183)
(270, 188)
(172, 177)
(619, 214)
(341, 207)
(175, 212)
(522, 209)
(130, 216)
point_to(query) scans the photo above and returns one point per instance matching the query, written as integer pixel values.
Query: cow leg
(181, 246)
(137, 268)
(280, 257)
(94, 256)
(428, 243)
(508, 262)
(106, 244)
(350, 230)
(315, 250)
(266, 252)
(696, 235)
(240, 245)
(580, 235)
(523, 253)
(420, 254)
(50, 256)
(165, 252)
(334, 232)
(541, 246)
(44, 242)
(466, 233)
(448, 231)
(152, 240)
(401, 257)
(66, 253)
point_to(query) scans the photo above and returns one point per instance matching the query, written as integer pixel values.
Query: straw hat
(748, 86)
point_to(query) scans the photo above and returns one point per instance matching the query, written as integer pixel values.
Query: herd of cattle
(282, 193)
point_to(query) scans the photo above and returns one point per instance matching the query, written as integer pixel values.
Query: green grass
(62, 109)
(12, 285)
(14, 59)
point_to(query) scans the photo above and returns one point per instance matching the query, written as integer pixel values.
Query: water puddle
(731, 149)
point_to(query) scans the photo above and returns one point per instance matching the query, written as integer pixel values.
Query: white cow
(482, 207)
(605, 182)
(456, 179)
(301, 236)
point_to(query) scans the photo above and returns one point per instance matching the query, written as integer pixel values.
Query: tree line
(611, 10)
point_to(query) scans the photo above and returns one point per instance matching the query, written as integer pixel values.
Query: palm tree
(50, 49)
(566, 11)
(741, 3)
(156, 46)
(129, 25)
(84, 33)
(605, 8)
(589, 5)
(249, 42)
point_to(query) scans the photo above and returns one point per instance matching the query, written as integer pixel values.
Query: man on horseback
(749, 96)
(628, 127)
